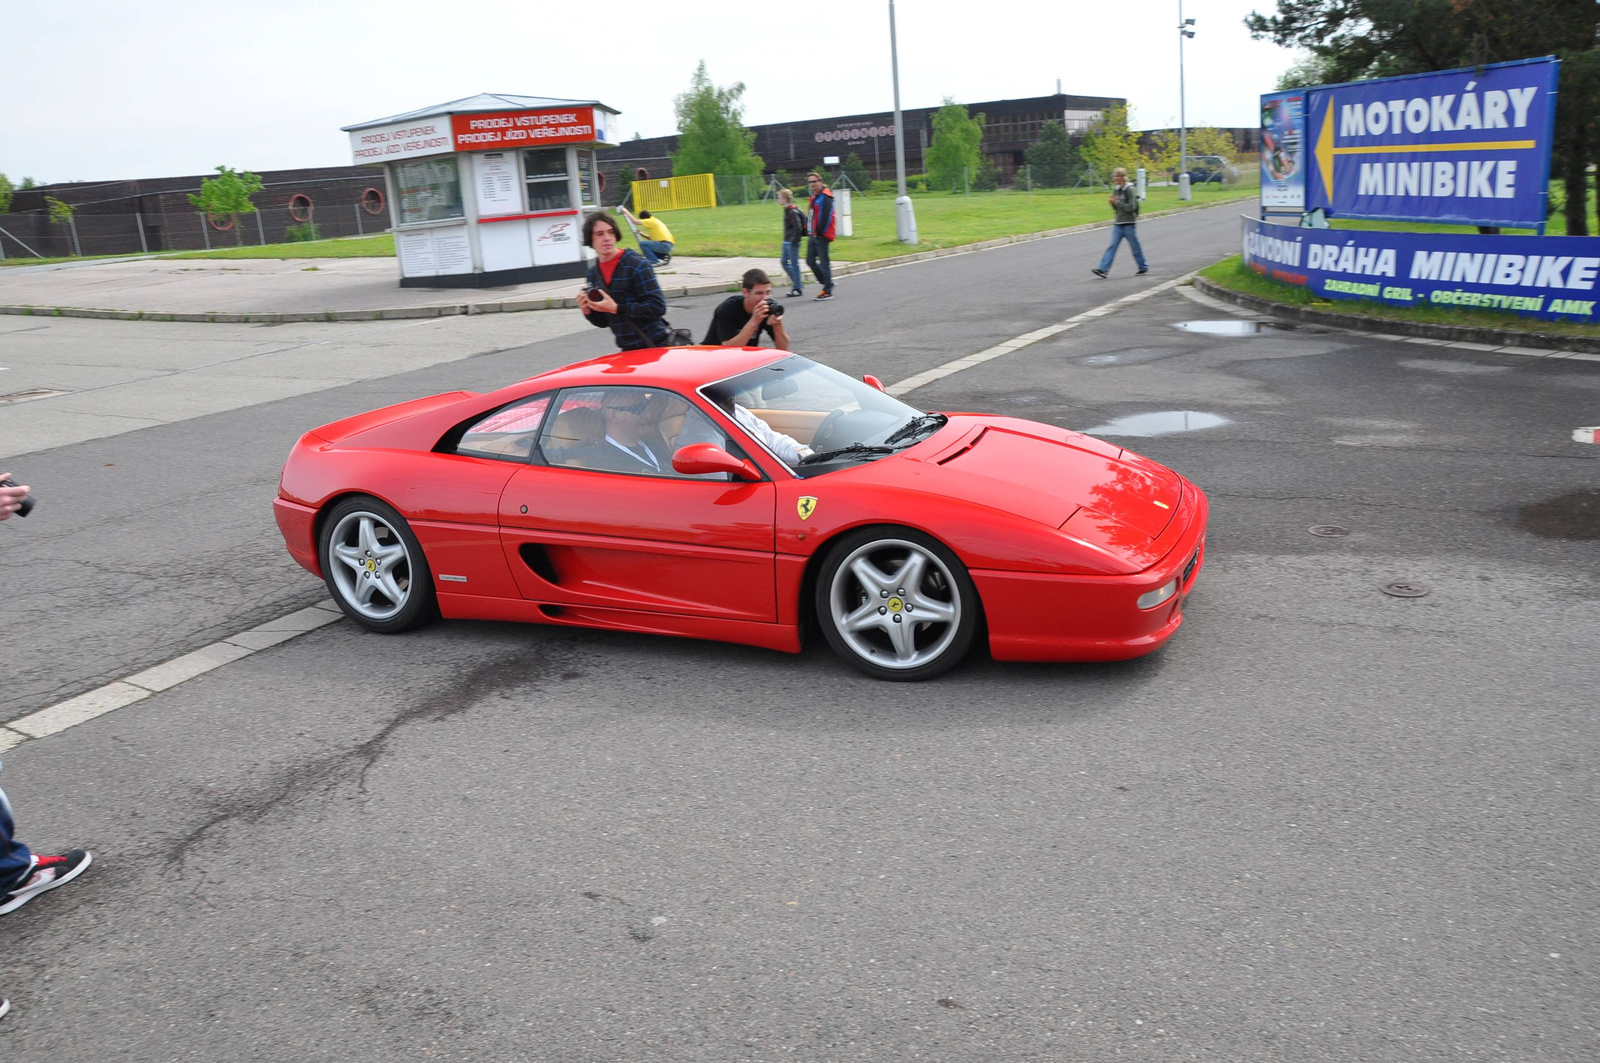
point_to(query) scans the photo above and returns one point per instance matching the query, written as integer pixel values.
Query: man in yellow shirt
(655, 240)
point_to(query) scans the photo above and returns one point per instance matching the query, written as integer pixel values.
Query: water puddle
(1164, 423)
(1574, 516)
(1238, 328)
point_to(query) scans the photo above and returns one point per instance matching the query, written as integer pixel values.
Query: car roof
(680, 368)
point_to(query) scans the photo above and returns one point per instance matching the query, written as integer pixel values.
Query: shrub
(303, 233)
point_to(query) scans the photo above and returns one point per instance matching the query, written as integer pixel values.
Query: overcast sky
(101, 90)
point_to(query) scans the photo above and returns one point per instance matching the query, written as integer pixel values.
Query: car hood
(1050, 479)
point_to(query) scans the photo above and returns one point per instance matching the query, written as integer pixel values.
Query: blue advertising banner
(1283, 176)
(1466, 146)
(1551, 277)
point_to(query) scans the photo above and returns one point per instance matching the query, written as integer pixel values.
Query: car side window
(626, 430)
(506, 434)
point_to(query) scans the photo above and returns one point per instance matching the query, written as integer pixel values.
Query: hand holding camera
(14, 498)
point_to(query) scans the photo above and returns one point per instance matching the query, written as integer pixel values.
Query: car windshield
(842, 420)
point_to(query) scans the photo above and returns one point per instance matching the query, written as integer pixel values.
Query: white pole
(1183, 119)
(905, 216)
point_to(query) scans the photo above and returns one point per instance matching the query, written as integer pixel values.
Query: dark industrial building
(795, 147)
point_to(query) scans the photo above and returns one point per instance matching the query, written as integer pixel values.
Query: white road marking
(140, 685)
(939, 372)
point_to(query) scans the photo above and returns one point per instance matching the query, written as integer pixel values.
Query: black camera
(27, 500)
(774, 308)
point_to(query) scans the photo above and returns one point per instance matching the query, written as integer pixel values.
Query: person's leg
(652, 250)
(791, 264)
(1111, 251)
(1138, 252)
(15, 859)
(822, 267)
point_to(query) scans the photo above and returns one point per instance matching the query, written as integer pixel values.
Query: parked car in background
(1207, 169)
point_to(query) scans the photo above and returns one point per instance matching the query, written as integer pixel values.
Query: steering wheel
(820, 440)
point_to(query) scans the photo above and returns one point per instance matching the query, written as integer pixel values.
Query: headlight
(1151, 599)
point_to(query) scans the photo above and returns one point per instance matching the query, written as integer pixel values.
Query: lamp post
(1183, 118)
(905, 218)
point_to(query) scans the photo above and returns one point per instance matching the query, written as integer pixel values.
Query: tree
(1357, 39)
(956, 139)
(1052, 159)
(1109, 143)
(1310, 69)
(856, 170)
(711, 133)
(1161, 155)
(228, 194)
(60, 213)
(5, 194)
(1209, 140)
(27, 183)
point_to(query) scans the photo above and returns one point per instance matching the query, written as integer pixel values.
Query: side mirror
(874, 381)
(697, 459)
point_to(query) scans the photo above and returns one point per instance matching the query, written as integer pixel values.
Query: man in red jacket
(822, 225)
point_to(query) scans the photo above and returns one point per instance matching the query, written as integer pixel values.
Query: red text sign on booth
(522, 129)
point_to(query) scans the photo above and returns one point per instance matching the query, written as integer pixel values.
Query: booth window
(430, 190)
(588, 176)
(547, 179)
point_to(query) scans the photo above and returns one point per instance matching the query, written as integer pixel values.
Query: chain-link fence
(35, 234)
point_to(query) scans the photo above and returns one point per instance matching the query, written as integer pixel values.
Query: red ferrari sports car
(743, 494)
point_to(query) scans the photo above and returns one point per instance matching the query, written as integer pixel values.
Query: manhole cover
(1328, 531)
(1404, 589)
(1574, 516)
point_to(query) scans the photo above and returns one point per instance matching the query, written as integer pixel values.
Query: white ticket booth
(489, 190)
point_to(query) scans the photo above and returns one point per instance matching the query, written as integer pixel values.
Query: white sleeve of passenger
(785, 447)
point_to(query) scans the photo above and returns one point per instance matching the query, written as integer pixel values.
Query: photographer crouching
(740, 320)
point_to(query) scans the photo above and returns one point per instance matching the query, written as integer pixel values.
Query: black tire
(394, 589)
(883, 632)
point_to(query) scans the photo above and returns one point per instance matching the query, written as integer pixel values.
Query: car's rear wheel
(897, 604)
(374, 566)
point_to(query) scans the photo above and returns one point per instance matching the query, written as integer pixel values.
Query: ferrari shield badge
(807, 506)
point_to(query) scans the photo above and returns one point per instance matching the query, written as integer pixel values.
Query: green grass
(756, 229)
(1231, 273)
(379, 246)
(943, 220)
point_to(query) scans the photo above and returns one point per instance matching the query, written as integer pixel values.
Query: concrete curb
(509, 306)
(1492, 337)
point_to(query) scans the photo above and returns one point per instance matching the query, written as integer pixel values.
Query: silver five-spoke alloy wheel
(895, 604)
(369, 563)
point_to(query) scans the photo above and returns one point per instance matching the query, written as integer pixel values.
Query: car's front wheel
(897, 604)
(374, 566)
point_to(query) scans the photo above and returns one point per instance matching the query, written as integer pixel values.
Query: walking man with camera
(740, 320)
(1125, 201)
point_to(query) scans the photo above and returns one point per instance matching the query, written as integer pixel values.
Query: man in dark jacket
(1125, 201)
(822, 228)
(623, 292)
(794, 229)
(740, 319)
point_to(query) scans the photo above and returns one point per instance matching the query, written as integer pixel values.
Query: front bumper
(1034, 616)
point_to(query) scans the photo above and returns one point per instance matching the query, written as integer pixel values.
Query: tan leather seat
(573, 432)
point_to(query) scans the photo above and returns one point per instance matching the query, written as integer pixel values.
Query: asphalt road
(1322, 824)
